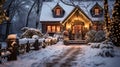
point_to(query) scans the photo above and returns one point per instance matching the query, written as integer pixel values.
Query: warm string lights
(3, 13)
(115, 24)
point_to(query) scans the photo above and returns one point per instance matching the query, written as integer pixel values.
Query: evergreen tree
(115, 24)
(106, 15)
(106, 12)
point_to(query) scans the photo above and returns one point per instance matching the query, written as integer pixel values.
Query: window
(96, 11)
(53, 28)
(48, 28)
(58, 28)
(58, 11)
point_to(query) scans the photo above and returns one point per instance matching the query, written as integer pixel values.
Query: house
(88, 14)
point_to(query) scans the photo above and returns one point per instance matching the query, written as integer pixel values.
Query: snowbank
(90, 58)
(36, 57)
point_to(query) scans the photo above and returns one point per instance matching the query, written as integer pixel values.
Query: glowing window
(48, 28)
(58, 11)
(97, 11)
(53, 28)
(58, 28)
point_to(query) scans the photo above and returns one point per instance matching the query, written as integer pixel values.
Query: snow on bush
(24, 29)
(90, 36)
(29, 32)
(106, 49)
(94, 45)
(99, 36)
(35, 37)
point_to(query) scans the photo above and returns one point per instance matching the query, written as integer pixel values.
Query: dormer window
(58, 11)
(96, 11)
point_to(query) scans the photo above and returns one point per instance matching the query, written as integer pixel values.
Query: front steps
(74, 42)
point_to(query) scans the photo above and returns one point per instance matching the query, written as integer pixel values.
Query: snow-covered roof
(46, 13)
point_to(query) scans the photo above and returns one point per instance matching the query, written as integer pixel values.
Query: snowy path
(66, 59)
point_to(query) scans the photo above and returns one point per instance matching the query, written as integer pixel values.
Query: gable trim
(72, 12)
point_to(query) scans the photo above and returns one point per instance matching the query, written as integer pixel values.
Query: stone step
(77, 42)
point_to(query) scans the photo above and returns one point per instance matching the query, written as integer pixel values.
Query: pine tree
(115, 24)
(106, 12)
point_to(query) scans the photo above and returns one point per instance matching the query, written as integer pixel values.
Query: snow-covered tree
(115, 24)
(38, 5)
(23, 13)
(106, 13)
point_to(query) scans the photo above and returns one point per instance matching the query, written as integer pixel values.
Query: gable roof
(46, 13)
(77, 8)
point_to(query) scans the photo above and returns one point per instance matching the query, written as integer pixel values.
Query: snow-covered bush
(24, 29)
(95, 36)
(94, 45)
(90, 35)
(99, 36)
(29, 32)
(106, 49)
(35, 37)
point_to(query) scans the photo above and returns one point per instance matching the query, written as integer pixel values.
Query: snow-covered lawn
(36, 57)
(88, 57)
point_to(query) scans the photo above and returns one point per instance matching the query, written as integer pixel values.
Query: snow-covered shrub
(24, 29)
(95, 36)
(35, 37)
(46, 35)
(94, 45)
(99, 36)
(106, 49)
(29, 32)
(90, 35)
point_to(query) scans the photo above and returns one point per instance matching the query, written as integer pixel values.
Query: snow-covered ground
(81, 56)
(90, 58)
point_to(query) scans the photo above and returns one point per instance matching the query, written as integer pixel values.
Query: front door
(77, 32)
